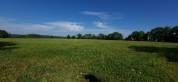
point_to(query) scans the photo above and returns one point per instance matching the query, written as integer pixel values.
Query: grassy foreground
(63, 60)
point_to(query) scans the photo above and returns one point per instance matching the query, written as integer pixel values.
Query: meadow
(84, 60)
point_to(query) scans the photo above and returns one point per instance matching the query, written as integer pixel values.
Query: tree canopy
(115, 36)
(159, 34)
(3, 34)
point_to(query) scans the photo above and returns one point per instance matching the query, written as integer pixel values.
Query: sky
(62, 17)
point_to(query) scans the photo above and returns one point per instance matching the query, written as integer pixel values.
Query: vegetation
(33, 36)
(111, 36)
(115, 36)
(3, 34)
(137, 36)
(79, 60)
(159, 34)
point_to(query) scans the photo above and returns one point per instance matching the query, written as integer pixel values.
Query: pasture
(84, 60)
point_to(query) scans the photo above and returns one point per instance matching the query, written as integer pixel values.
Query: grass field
(74, 60)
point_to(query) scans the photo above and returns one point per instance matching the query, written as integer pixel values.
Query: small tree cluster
(111, 36)
(3, 34)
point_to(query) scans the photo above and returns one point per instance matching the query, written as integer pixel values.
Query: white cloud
(50, 27)
(101, 15)
(58, 28)
(101, 25)
(104, 18)
(104, 15)
(71, 26)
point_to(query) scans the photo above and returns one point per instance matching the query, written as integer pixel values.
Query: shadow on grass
(171, 54)
(91, 78)
(7, 45)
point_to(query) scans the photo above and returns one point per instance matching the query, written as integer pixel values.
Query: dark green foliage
(93, 36)
(169, 53)
(137, 36)
(115, 36)
(7, 46)
(34, 36)
(174, 34)
(3, 34)
(111, 36)
(79, 36)
(87, 36)
(163, 34)
(68, 36)
(101, 36)
(159, 34)
(73, 37)
(40, 36)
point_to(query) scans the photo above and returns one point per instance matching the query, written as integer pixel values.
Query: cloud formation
(103, 18)
(66, 25)
(26, 28)
(101, 25)
(101, 15)
(58, 28)
(104, 15)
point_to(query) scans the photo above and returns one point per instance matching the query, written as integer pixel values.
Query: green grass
(63, 60)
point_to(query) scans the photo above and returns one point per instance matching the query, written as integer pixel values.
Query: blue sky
(62, 17)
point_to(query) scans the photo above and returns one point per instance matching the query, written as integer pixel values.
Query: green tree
(167, 34)
(174, 34)
(68, 36)
(157, 34)
(160, 34)
(87, 36)
(93, 36)
(3, 34)
(101, 36)
(79, 36)
(115, 36)
(137, 36)
(73, 37)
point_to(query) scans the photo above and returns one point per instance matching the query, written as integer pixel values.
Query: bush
(3, 34)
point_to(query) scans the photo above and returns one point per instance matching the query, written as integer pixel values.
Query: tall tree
(68, 36)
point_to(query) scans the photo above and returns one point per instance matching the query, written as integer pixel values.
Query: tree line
(33, 36)
(5, 34)
(158, 34)
(111, 36)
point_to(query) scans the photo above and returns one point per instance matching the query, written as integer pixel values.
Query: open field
(74, 60)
